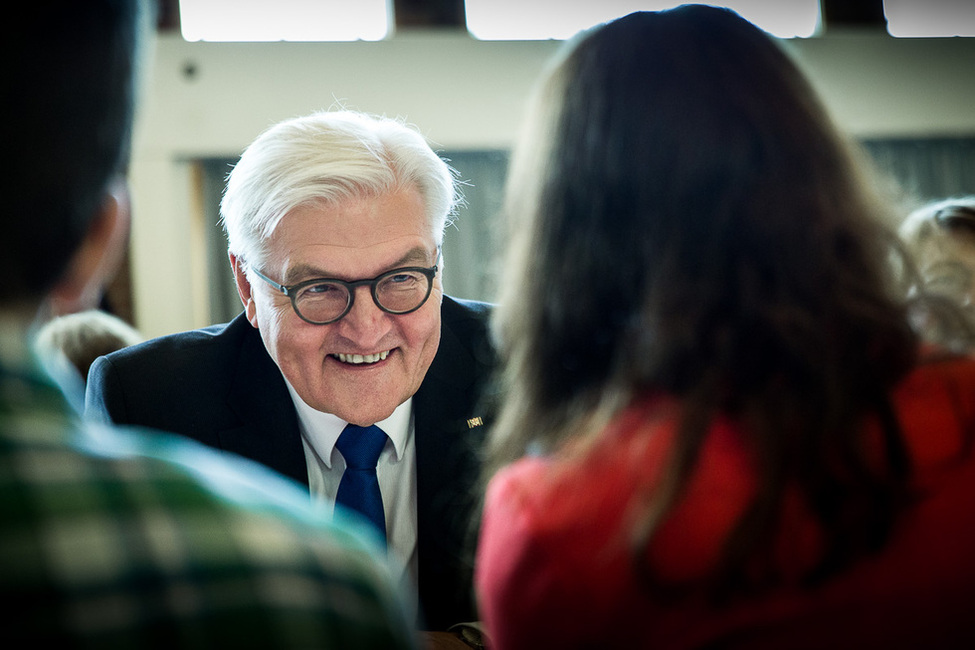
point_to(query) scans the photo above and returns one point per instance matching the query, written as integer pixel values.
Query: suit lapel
(445, 412)
(449, 429)
(268, 430)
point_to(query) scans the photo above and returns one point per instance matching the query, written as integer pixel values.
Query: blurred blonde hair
(85, 336)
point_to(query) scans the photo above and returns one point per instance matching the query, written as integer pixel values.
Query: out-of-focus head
(326, 158)
(941, 238)
(679, 201)
(84, 336)
(70, 82)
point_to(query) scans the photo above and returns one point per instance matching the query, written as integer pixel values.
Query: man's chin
(362, 413)
(365, 420)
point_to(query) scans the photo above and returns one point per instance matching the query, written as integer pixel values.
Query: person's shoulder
(245, 519)
(187, 476)
(170, 347)
(466, 326)
(459, 309)
(937, 364)
(936, 400)
(515, 481)
(194, 365)
(233, 482)
(469, 320)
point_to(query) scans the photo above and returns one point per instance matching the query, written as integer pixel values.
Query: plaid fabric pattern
(112, 538)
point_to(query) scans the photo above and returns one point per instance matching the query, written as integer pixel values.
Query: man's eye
(320, 289)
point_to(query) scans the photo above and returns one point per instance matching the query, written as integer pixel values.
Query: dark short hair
(68, 79)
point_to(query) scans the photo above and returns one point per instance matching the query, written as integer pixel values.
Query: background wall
(209, 100)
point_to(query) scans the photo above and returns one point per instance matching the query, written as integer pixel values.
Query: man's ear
(244, 289)
(97, 258)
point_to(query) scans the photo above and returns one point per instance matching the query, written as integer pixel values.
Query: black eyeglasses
(325, 300)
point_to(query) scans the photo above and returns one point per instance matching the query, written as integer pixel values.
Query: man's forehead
(335, 264)
(351, 220)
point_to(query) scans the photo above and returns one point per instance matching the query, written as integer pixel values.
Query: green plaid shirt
(121, 538)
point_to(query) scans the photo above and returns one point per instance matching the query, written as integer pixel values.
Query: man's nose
(365, 319)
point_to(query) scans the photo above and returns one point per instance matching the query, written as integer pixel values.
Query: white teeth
(361, 358)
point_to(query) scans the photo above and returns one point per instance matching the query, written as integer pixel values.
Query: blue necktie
(359, 488)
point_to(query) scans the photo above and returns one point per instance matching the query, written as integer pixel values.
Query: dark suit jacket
(219, 386)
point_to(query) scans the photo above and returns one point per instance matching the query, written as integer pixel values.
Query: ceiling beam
(857, 14)
(430, 13)
(837, 14)
(408, 13)
(167, 15)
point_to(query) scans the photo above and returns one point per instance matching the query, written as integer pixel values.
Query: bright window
(560, 19)
(285, 20)
(931, 18)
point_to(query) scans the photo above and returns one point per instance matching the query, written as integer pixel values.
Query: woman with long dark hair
(719, 426)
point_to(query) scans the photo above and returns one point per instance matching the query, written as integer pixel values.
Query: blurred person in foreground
(335, 222)
(123, 538)
(718, 426)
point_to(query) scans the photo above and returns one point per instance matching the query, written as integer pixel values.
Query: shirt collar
(321, 430)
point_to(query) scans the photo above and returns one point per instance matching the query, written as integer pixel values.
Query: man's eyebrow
(414, 257)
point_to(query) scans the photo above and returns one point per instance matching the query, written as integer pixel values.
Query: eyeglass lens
(399, 291)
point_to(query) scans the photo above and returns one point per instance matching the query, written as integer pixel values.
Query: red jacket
(554, 566)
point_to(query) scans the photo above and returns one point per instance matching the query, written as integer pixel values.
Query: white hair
(938, 221)
(328, 157)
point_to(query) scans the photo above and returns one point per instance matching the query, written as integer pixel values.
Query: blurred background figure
(719, 427)
(940, 237)
(84, 336)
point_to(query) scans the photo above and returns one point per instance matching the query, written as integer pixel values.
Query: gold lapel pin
(474, 422)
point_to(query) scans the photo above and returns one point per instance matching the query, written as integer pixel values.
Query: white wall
(461, 93)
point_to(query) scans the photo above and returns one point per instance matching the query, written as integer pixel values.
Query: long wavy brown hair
(684, 216)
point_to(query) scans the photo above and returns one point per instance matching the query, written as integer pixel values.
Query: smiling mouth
(361, 359)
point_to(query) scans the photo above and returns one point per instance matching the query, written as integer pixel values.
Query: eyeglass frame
(292, 290)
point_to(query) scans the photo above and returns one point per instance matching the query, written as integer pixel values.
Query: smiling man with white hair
(335, 225)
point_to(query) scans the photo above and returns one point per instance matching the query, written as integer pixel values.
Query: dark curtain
(927, 169)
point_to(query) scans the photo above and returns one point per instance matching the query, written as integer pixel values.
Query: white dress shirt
(396, 471)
